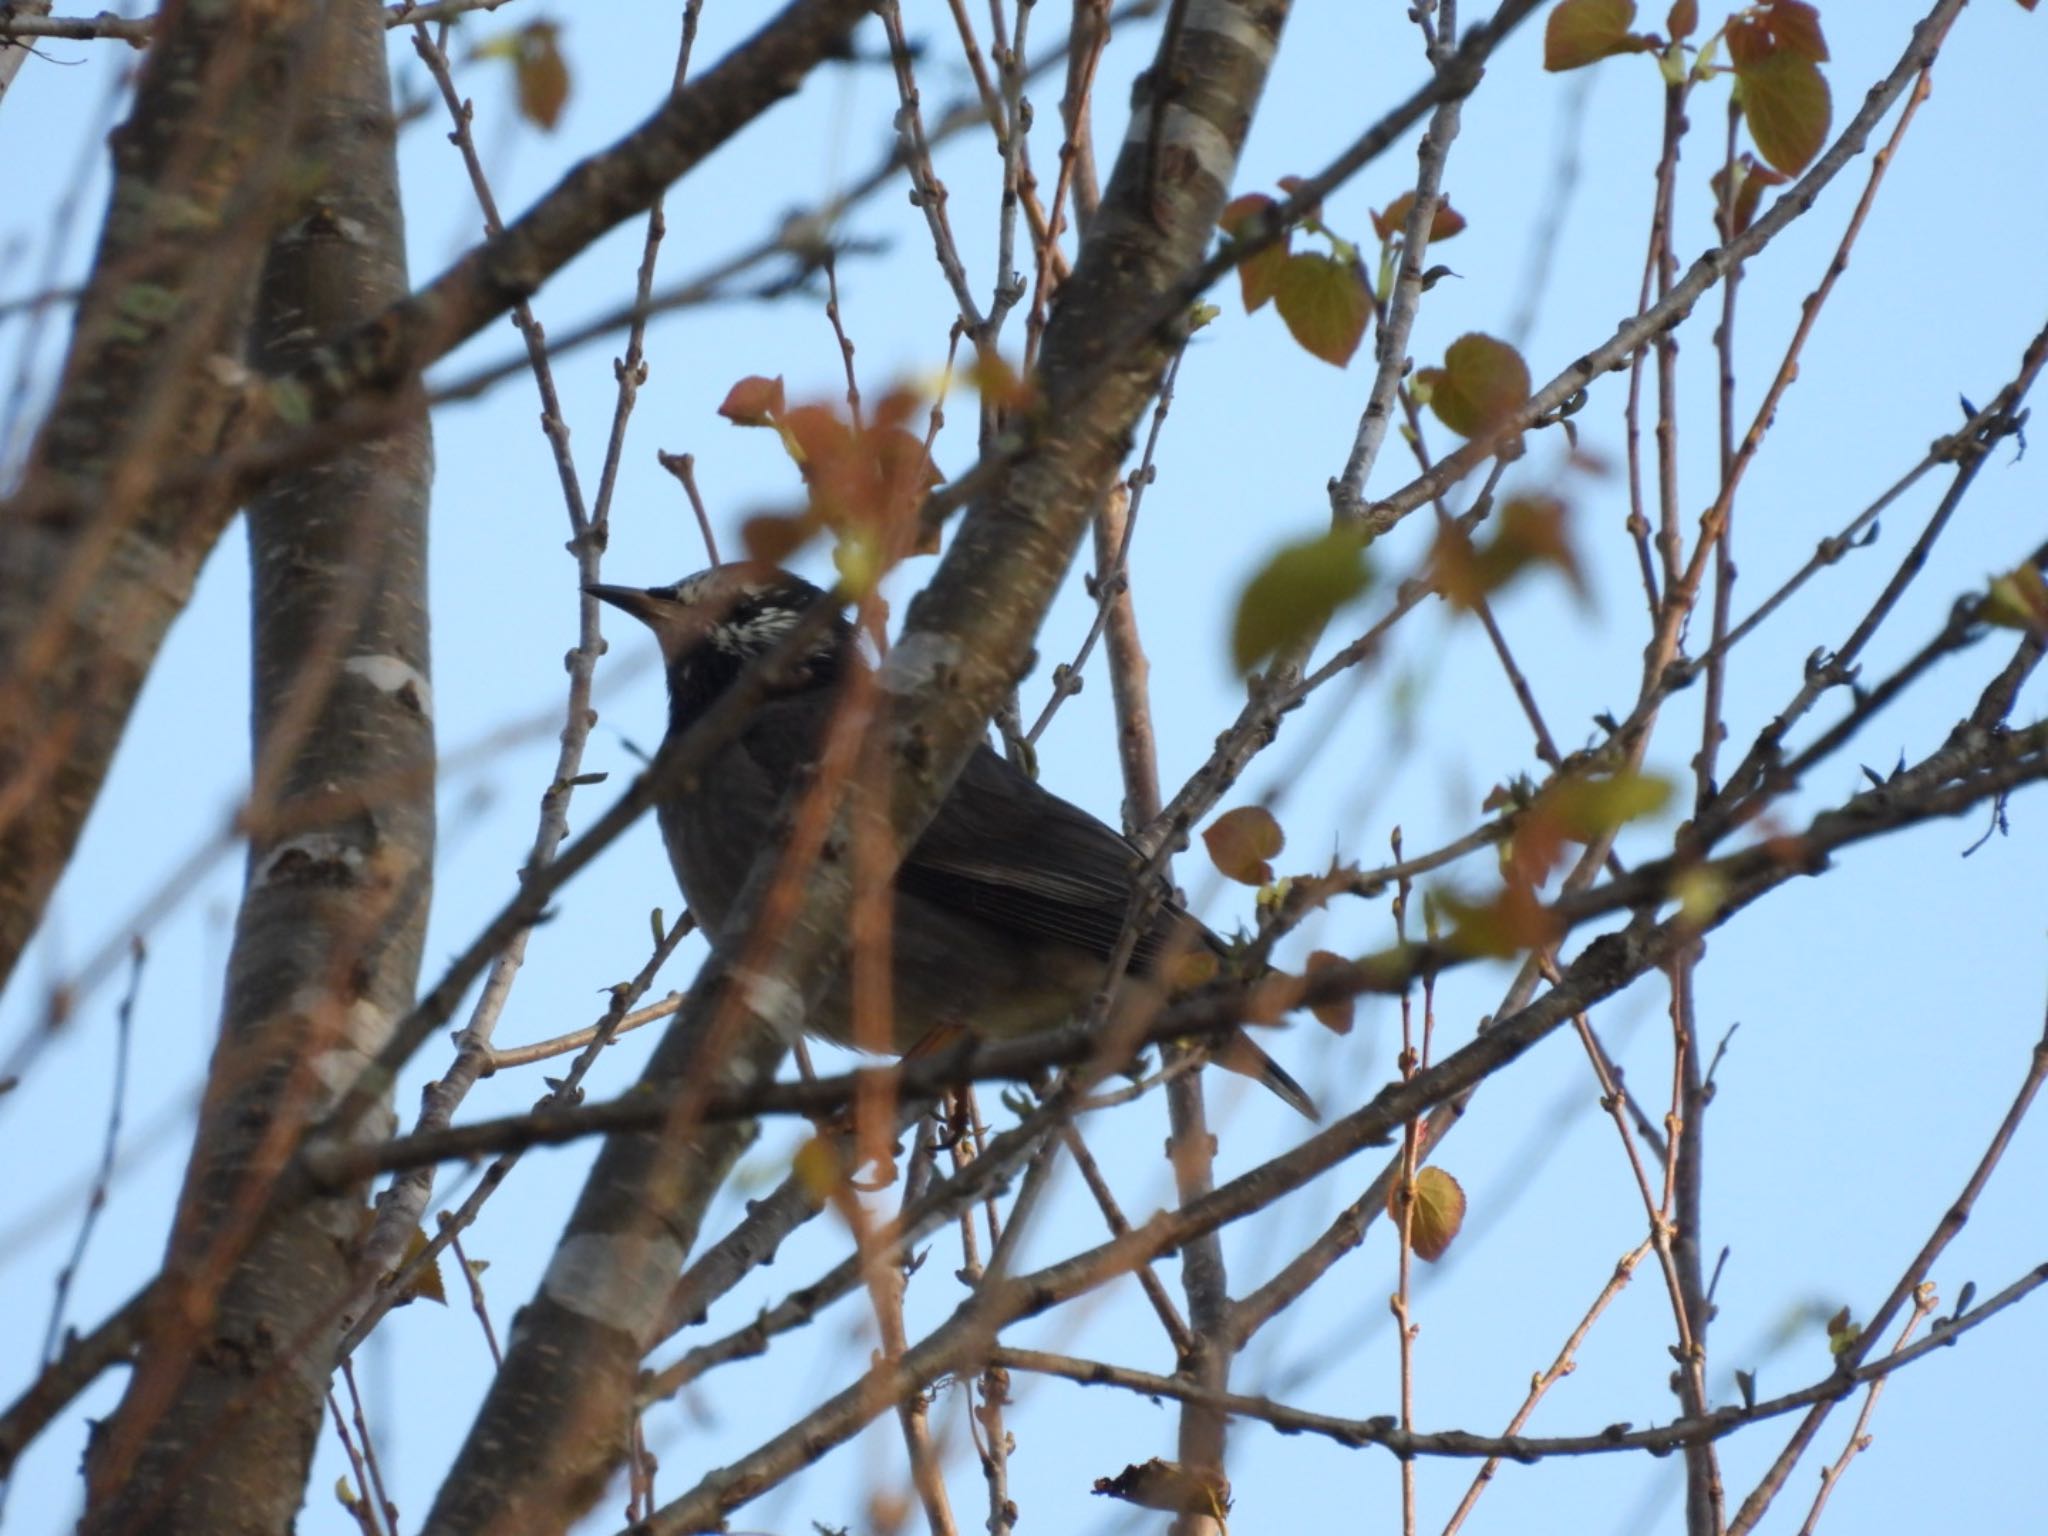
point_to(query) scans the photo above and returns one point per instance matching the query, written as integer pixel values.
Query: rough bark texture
(99, 548)
(89, 584)
(217, 1429)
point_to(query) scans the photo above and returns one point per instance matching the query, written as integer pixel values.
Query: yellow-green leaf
(1439, 1212)
(1482, 383)
(543, 74)
(2018, 600)
(1170, 1487)
(1514, 920)
(819, 1167)
(1339, 1016)
(425, 1282)
(1587, 808)
(1294, 594)
(1786, 102)
(1843, 1332)
(1325, 303)
(1582, 32)
(1241, 841)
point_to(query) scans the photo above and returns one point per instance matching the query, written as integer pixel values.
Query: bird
(1008, 907)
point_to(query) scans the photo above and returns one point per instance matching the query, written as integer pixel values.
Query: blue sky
(1886, 1009)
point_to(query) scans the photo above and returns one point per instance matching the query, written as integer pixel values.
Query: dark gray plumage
(1009, 905)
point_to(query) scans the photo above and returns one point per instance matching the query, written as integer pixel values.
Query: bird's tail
(1238, 1054)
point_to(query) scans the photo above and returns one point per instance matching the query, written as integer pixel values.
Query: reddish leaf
(1582, 32)
(1749, 40)
(1325, 303)
(902, 470)
(1482, 383)
(1751, 177)
(814, 434)
(1684, 17)
(1241, 841)
(1796, 26)
(1785, 99)
(896, 407)
(753, 402)
(1258, 276)
(1531, 530)
(773, 537)
(1336, 1017)
(1292, 186)
(1446, 222)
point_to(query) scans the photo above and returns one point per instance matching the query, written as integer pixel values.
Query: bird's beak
(644, 606)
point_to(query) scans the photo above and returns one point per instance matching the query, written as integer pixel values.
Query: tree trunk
(216, 1432)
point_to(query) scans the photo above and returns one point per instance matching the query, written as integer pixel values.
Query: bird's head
(713, 625)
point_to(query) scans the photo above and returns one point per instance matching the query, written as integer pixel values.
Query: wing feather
(1006, 849)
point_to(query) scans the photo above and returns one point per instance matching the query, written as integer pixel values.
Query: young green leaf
(1439, 1212)
(1325, 303)
(1294, 594)
(1786, 103)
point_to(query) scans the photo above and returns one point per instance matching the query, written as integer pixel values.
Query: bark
(129, 489)
(216, 1431)
(96, 556)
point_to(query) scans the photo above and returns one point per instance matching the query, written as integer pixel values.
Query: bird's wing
(1011, 851)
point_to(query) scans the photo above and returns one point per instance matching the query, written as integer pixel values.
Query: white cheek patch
(392, 674)
(618, 1280)
(917, 660)
(761, 633)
